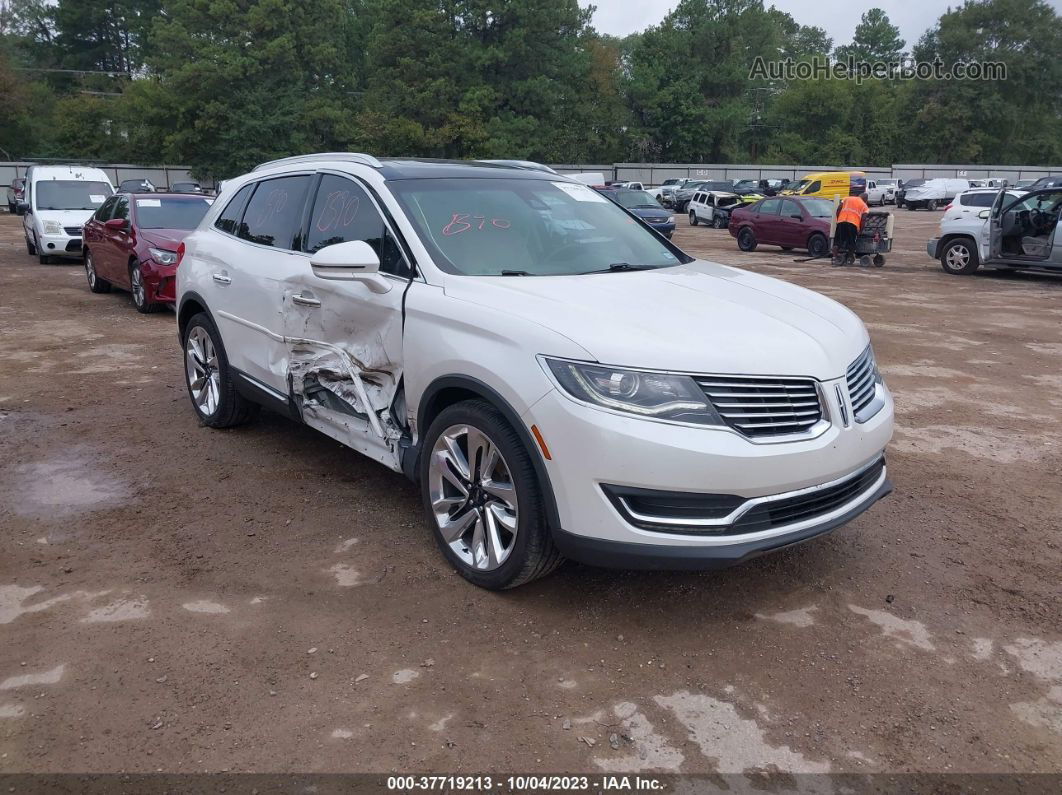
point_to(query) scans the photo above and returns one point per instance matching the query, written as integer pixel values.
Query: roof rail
(356, 157)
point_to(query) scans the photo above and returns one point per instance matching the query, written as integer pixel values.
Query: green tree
(876, 39)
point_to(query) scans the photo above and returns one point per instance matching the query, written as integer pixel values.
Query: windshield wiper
(515, 273)
(615, 267)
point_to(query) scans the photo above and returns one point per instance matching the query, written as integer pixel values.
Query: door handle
(303, 300)
(222, 279)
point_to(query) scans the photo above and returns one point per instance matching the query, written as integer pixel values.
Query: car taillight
(180, 252)
(947, 208)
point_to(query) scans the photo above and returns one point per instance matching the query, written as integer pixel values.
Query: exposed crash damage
(347, 395)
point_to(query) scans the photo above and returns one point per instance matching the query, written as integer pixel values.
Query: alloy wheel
(90, 271)
(957, 258)
(136, 283)
(201, 367)
(473, 497)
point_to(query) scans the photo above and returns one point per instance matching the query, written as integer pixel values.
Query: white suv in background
(961, 230)
(560, 380)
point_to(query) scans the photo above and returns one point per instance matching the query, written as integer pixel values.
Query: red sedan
(789, 222)
(131, 243)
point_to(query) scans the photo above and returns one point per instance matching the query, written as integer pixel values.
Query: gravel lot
(180, 599)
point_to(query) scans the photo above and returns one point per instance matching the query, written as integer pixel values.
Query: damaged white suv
(559, 379)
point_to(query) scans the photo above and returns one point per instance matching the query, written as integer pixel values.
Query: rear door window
(229, 219)
(274, 214)
(791, 208)
(770, 206)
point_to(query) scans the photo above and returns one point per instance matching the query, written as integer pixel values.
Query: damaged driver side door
(344, 329)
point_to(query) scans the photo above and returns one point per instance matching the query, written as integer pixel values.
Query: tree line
(224, 84)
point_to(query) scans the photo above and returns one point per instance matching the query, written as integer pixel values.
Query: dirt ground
(180, 599)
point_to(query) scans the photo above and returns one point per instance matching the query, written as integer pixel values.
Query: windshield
(63, 194)
(636, 198)
(170, 213)
(800, 186)
(818, 208)
(913, 183)
(482, 227)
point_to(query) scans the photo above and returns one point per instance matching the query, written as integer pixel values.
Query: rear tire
(959, 257)
(95, 283)
(746, 240)
(209, 379)
(452, 491)
(693, 218)
(931, 204)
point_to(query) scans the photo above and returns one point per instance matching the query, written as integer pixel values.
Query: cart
(872, 244)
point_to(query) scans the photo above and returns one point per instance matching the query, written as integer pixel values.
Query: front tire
(718, 222)
(746, 240)
(138, 291)
(818, 246)
(959, 257)
(42, 258)
(693, 218)
(483, 499)
(95, 283)
(209, 378)
(30, 248)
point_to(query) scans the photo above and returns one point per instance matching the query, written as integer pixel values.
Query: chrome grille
(73, 231)
(862, 377)
(763, 407)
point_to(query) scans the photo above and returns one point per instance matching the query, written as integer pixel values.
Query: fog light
(51, 245)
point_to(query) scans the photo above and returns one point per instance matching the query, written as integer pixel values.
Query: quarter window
(229, 219)
(342, 211)
(274, 213)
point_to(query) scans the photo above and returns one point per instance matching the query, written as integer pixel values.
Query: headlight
(659, 396)
(52, 228)
(163, 257)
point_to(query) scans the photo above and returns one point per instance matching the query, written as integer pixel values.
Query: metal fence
(656, 173)
(160, 176)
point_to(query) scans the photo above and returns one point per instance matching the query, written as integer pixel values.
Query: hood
(699, 318)
(165, 238)
(650, 212)
(65, 217)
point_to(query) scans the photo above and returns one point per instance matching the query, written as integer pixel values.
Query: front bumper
(933, 248)
(160, 282)
(667, 230)
(63, 245)
(592, 448)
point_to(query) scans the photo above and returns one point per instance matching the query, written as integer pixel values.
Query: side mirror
(984, 214)
(117, 224)
(798, 216)
(351, 261)
(23, 208)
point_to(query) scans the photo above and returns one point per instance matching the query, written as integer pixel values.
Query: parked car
(881, 192)
(713, 207)
(136, 186)
(643, 205)
(1046, 182)
(933, 193)
(131, 243)
(970, 203)
(904, 186)
(559, 380)
(15, 193)
(1016, 232)
(57, 202)
(186, 187)
(682, 197)
(1024, 184)
(829, 185)
(666, 192)
(785, 221)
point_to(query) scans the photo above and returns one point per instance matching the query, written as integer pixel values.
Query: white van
(58, 201)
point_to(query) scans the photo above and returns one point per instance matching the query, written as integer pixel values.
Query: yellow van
(829, 184)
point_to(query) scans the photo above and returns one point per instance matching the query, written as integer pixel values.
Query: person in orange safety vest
(849, 222)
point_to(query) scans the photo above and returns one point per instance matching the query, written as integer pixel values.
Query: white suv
(559, 379)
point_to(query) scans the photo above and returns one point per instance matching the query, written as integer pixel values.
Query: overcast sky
(838, 17)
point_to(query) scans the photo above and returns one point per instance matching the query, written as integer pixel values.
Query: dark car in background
(131, 243)
(136, 186)
(186, 187)
(903, 187)
(645, 206)
(786, 221)
(682, 196)
(16, 191)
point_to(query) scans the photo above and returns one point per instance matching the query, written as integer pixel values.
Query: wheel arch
(449, 390)
(191, 304)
